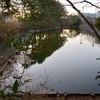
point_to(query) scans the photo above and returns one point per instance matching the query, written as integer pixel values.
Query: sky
(82, 7)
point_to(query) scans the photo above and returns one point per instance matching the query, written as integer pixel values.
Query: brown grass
(9, 28)
(42, 97)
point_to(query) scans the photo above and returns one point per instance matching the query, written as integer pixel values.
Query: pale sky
(81, 7)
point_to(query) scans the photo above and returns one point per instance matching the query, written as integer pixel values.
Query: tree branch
(84, 1)
(92, 27)
(91, 4)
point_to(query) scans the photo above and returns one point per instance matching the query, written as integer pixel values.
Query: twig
(6, 61)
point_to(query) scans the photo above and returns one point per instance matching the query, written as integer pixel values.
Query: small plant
(9, 28)
(10, 41)
(15, 86)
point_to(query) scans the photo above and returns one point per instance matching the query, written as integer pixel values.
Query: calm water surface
(68, 58)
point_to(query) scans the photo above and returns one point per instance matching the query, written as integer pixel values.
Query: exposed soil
(4, 55)
(70, 97)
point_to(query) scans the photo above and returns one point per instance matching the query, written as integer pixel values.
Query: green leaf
(2, 93)
(98, 59)
(97, 77)
(98, 72)
(99, 84)
(15, 86)
(51, 89)
(20, 39)
(9, 40)
(1, 73)
(41, 84)
(28, 80)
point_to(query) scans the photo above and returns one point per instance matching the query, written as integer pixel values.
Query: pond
(66, 60)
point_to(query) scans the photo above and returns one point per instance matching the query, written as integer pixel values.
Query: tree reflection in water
(40, 46)
(36, 48)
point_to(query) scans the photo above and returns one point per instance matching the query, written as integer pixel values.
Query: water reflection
(41, 46)
(71, 33)
(69, 55)
(87, 37)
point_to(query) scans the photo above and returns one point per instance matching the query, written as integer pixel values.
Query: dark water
(66, 59)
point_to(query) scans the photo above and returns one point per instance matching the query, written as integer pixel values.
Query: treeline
(34, 14)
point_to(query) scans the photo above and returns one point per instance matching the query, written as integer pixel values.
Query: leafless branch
(92, 27)
(74, 3)
(91, 4)
(84, 1)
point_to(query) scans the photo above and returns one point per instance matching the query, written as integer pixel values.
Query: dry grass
(42, 97)
(9, 28)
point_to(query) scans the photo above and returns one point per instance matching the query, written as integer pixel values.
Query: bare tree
(74, 7)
